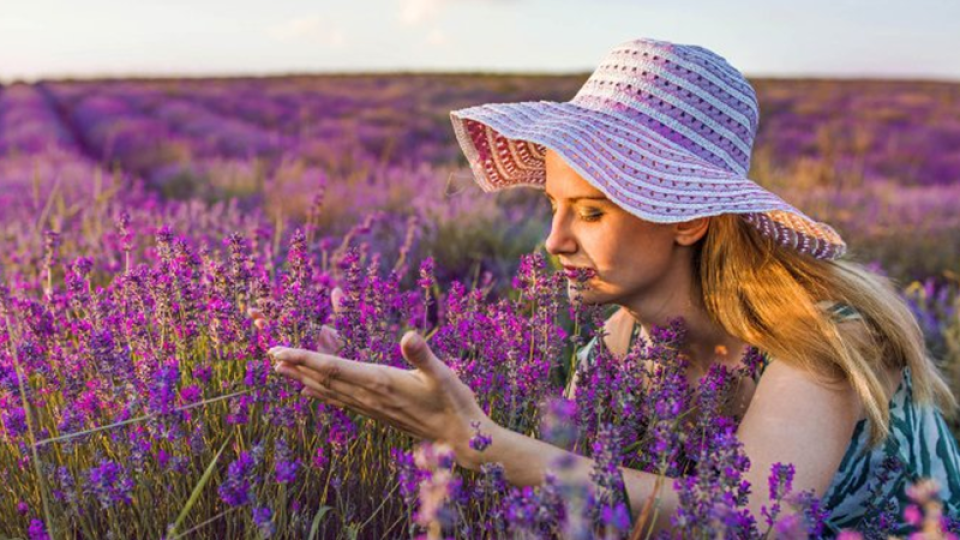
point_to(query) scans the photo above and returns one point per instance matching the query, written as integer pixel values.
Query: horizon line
(279, 74)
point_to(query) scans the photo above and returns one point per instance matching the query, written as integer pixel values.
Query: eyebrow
(582, 197)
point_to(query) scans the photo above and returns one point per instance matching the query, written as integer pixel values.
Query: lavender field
(140, 219)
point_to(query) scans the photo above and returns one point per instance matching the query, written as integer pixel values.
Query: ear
(688, 233)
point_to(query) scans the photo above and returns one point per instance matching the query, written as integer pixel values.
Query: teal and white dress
(870, 485)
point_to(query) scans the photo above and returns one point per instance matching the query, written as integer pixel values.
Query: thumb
(418, 353)
(335, 296)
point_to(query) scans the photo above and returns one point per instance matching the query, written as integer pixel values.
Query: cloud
(418, 12)
(307, 29)
(436, 37)
(414, 12)
(19, 24)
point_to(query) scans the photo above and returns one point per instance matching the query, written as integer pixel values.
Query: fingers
(338, 392)
(327, 365)
(329, 341)
(348, 396)
(335, 296)
(259, 319)
(329, 387)
(340, 400)
(415, 349)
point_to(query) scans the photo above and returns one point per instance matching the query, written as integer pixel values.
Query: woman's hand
(429, 402)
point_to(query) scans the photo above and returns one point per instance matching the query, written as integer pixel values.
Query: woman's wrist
(472, 457)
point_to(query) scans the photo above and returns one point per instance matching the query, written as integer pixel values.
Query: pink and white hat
(665, 131)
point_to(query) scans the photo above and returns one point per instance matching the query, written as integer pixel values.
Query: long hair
(767, 296)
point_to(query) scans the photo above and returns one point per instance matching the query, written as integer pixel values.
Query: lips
(575, 272)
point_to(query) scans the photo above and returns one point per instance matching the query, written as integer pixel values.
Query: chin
(589, 295)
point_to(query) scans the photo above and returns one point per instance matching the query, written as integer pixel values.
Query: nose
(561, 240)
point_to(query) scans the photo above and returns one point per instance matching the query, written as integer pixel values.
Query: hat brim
(637, 168)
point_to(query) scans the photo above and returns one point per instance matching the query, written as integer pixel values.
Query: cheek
(631, 261)
(600, 246)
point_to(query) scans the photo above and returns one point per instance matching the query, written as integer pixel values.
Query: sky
(116, 38)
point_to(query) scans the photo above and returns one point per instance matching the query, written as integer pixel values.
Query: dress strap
(634, 334)
(839, 310)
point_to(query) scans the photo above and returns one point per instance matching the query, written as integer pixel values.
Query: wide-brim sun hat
(664, 130)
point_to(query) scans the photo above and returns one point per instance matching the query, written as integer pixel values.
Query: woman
(646, 169)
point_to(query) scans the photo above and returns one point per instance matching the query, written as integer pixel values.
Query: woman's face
(632, 258)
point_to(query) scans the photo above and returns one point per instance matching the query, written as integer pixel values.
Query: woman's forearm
(525, 461)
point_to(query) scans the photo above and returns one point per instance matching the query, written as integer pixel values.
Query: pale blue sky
(847, 38)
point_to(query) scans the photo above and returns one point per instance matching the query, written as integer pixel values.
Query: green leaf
(315, 527)
(198, 488)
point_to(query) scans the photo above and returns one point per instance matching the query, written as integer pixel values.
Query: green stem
(31, 429)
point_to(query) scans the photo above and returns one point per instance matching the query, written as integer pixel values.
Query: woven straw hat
(665, 131)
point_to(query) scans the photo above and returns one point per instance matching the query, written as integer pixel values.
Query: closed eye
(588, 215)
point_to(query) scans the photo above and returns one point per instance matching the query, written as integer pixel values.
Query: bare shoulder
(796, 416)
(793, 417)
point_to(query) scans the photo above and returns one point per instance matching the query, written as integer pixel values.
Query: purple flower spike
(37, 531)
(780, 484)
(480, 441)
(559, 423)
(263, 519)
(109, 484)
(237, 488)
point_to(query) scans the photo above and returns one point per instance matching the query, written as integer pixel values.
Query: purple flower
(320, 459)
(610, 498)
(109, 483)
(15, 421)
(480, 441)
(239, 262)
(559, 425)
(814, 514)
(37, 530)
(65, 490)
(427, 273)
(263, 519)
(340, 429)
(237, 488)
(285, 468)
(163, 392)
(297, 258)
(408, 474)
(710, 498)
(122, 222)
(239, 410)
(616, 519)
(750, 362)
(350, 322)
(191, 394)
(781, 484)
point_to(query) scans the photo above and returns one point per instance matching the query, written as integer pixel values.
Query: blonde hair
(767, 295)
